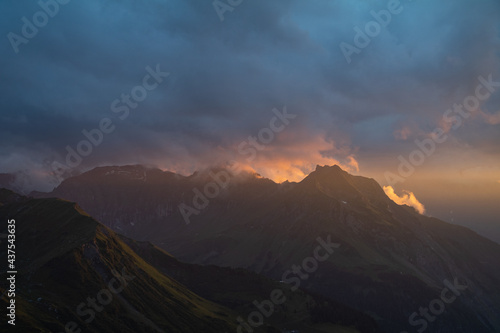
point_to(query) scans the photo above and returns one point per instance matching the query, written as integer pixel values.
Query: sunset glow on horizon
(272, 87)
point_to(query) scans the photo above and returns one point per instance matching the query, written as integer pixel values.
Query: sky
(406, 92)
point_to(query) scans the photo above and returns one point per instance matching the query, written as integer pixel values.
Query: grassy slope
(64, 256)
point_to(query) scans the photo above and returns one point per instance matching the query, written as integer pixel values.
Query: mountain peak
(334, 167)
(327, 173)
(337, 183)
(330, 170)
(331, 180)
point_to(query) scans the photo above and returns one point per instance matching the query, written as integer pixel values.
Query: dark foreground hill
(391, 263)
(76, 275)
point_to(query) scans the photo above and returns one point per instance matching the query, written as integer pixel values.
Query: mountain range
(387, 261)
(77, 275)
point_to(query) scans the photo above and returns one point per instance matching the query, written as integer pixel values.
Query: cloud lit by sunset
(227, 79)
(408, 198)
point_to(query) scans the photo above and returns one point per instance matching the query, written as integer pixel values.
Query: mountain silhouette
(391, 260)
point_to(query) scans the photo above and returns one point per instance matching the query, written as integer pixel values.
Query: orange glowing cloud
(353, 163)
(293, 162)
(282, 169)
(291, 155)
(408, 198)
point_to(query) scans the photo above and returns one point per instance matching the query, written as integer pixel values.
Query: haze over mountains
(390, 261)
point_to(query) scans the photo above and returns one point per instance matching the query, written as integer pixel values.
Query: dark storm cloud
(226, 77)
